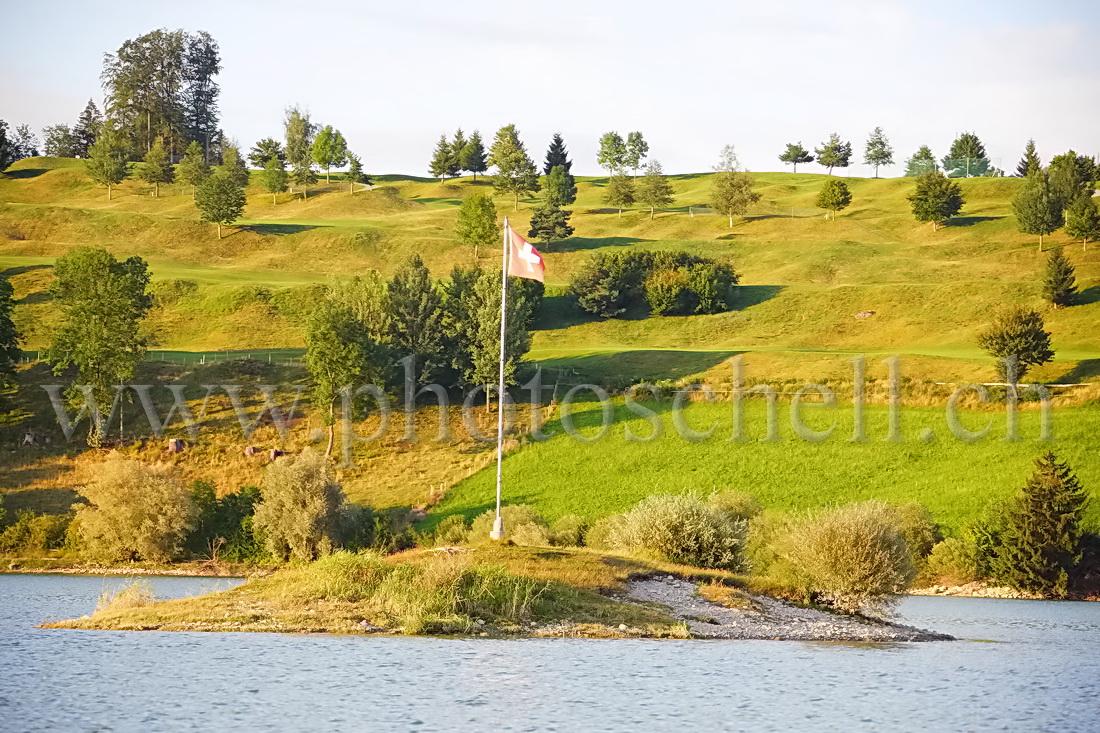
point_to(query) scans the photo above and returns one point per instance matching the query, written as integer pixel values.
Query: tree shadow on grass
(1088, 296)
(279, 230)
(579, 244)
(1084, 369)
(747, 296)
(633, 367)
(21, 269)
(26, 173)
(969, 221)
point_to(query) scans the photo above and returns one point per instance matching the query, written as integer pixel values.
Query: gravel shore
(766, 618)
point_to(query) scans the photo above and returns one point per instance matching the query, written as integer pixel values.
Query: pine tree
(264, 150)
(795, 154)
(1037, 210)
(329, 150)
(220, 199)
(921, 163)
(878, 151)
(473, 158)
(936, 199)
(560, 187)
(7, 148)
(477, 222)
(550, 222)
(106, 163)
(619, 192)
(158, 167)
(557, 155)
(654, 190)
(274, 178)
(612, 154)
(233, 167)
(636, 151)
(834, 154)
(1070, 176)
(355, 173)
(1017, 334)
(1083, 220)
(1030, 162)
(9, 336)
(458, 147)
(86, 130)
(516, 172)
(193, 169)
(443, 160)
(416, 318)
(966, 158)
(834, 196)
(731, 192)
(483, 341)
(1041, 540)
(1059, 282)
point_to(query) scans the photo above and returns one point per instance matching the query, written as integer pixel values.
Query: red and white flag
(524, 260)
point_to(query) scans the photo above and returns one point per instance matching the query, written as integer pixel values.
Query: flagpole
(498, 525)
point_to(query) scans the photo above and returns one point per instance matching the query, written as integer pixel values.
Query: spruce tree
(274, 178)
(477, 222)
(516, 173)
(355, 172)
(1030, 162)
(484, 332)
(731, 191)
(1059, 281)
(936, 198)
(834, 196)
(86, 130)
(654, 190)
(1017, 334)
(795, 154)
(443, 162)
(9, 336)
(834, 153)
(474, 157)
(233, 167)
(220, 199)
(193, 169)
(550, 222)
(921, 162)
(556, 155)
(966, 158)
(416, 327)
(619, 192)
(878, 151)
(458, 147)
(1036, 207)
(158, 167)
(106, 163)
(560, 187)
(1071, 176)
(1083, 220)
(1041, 540)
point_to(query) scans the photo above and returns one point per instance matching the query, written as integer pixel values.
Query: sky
(393, 76)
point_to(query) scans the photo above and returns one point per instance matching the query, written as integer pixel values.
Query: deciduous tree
(106, 164)
(654, 190)
(619, 192)
(612, 154)
(299, 130)
(1018, 335)
(477, 222)
(516, 172)
(193, 169)
(303, 508)
(834, 196)
(220, 200)
(9, 336)
(1083, 220)
(329, 150)
(1037, 209)
(158, 167)
(878, 151)
(936, 199)
(731, 192)
(233, 167)
(274, 178)
(636, 151)
(416, 317)
(560, 187)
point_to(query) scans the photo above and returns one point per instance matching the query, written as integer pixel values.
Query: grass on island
(499, 590)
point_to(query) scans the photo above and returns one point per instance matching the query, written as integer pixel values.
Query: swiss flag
(524, 261)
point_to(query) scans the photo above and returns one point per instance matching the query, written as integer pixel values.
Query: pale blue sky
(691, 76)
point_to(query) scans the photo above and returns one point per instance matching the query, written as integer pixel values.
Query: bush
(35, 533)
(737, 504)
(521, 525)
(134, 594)
(915, 524)
(668, 294)
(568, 531)
(952, 562)
(684, 529)
(453, 530)
(599, 534)
(767, 545)
(852, 557)
(134, 512)
(302, 512)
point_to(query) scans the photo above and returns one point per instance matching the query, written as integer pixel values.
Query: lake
(1023, 665)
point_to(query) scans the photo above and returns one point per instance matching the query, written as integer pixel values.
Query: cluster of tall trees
(966, 159)
(459, 154)
(63, 141)
(1059, 195)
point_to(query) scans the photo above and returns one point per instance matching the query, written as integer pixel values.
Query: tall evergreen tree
(25, 143)
(1041, 540)
(264, 150)
(220, 199)
(966, 158)
(474, 157)
(9, 336)
(355, 173)
(1030, 162)
(550, 222)
(106, 163)
(193, 169)
(921, 162)
(86, 130)
(636, 151)
(329, 150)
(560, 187)
(1037, 209)
(1059, 282)
(274, 178)
(444, 162)
(458, 146)
(1083, 220)
(795, 154)
(620, 192)
(7, 147)
(654, 190)
(834, 153)
(612, 154)
(936, 198)
(557, 155)
(158, 167)
(731, 191)
(834, 196)
(416, 327)
(477, 222)
(199, 96)
(878, 151)
(233, 167)
(484, 335)
(1017, 334)
(516, 172)
(1071, 176)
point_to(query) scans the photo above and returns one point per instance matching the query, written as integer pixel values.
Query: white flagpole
(498, 525)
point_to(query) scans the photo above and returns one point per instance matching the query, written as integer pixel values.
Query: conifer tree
(474, 157)
(731, 192)
(966, 158)
(560, 187)
(220, 200)
(477, 222)
(1030, 162)
(9, 336)
(516, 172)
(484, 334)
(1059, 281)
(443, 163)
(264, 150)
(550, 222)
(158, 167)
(1017, 334)
(612, 154)
(458, 148)
(1041, 539)
(106, 163)
(1083, 220)
(936, 199)
(834, 153)
(193, 169)
(921, 162)
(557, 155)
(355, 172)
(654, 190)
(416, 327)
(1070, 176)
(795, 154)
(86, 130)
(878, 151)
(274, 178)
(233, 167)
(1036, 208)
(619, 192)
(636, 151)
(834, 196)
